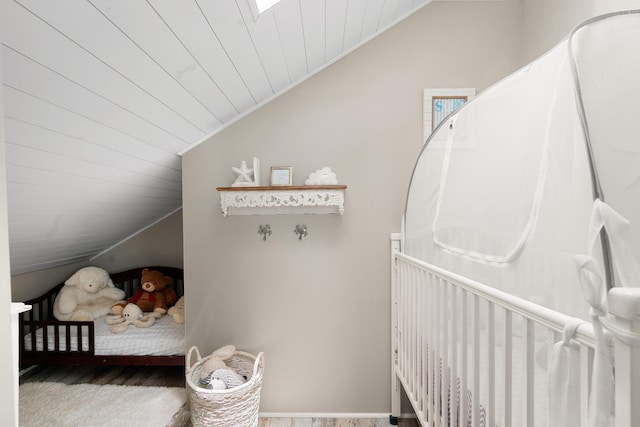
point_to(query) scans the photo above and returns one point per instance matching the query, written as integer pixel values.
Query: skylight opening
(264, 5)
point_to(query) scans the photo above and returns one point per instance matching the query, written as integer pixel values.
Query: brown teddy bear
(154, 296)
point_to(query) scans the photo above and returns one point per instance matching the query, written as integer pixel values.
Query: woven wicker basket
(238, 406)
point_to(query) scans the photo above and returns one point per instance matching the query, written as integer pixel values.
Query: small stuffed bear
(131, 315)
(86, 295)
(217, 376)
(155, 295)
(177, 310)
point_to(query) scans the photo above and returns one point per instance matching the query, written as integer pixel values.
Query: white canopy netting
(533, 187)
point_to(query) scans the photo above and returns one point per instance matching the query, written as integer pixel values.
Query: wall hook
(264, 230)
(301, 231)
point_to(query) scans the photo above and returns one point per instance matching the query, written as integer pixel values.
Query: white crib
(450, 334)
(528, 193)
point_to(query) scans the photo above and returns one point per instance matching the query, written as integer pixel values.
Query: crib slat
(423, 324)
(454, 358)
(418, 334)
(431, 385)
(437, 371)
(586, 360)
(527, 367)
(405, 323)
(444, 371)
(411, 333)
(508, 368)
(402, 310)
(475, 391)
(491, 401)
(464, 359)
(424, 345)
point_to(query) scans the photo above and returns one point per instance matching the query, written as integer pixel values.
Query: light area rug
(71, 405)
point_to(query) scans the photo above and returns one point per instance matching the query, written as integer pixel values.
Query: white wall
(546, 22)
(606, 6)
(319, 308)
(9, 417)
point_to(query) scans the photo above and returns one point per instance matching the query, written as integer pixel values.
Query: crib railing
(469, 355)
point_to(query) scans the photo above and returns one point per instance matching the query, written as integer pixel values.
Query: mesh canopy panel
(503, 191)
(607, 65)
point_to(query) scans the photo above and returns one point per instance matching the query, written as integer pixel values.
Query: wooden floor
(168, 376)
(175, 377)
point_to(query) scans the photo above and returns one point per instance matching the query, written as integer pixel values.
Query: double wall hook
(301, 231)
(264, 230)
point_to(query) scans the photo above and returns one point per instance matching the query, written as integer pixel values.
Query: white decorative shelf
(303, 199)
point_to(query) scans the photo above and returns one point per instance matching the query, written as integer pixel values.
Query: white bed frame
(429, 307)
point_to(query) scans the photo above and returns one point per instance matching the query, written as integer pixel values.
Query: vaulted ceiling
(101, 97)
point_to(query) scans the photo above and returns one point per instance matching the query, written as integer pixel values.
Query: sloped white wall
(319, 308)
(157, 245)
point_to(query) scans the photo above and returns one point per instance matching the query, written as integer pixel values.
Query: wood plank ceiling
(102, 96)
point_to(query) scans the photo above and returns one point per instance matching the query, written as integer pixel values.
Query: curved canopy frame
(504, 190)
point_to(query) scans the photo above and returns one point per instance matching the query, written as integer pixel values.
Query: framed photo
(281, 175)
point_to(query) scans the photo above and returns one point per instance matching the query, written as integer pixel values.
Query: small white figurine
(244, 175)
(322, 176)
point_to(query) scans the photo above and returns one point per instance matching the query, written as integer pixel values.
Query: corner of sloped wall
(160, 244)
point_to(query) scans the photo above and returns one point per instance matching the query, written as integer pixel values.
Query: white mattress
(164, 338)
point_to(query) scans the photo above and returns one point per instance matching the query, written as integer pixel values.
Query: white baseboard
(330, 415)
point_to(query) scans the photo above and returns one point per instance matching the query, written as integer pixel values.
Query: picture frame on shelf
(281, 175)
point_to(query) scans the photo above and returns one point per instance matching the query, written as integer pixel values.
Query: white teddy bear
(88, 294)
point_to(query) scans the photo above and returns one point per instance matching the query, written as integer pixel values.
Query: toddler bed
(48, 341)
(515, 280)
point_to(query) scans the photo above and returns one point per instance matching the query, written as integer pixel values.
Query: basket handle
(188, 359)
(258, 364)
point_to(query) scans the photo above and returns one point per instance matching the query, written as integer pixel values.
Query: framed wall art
(440, 102)
(281, 175)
